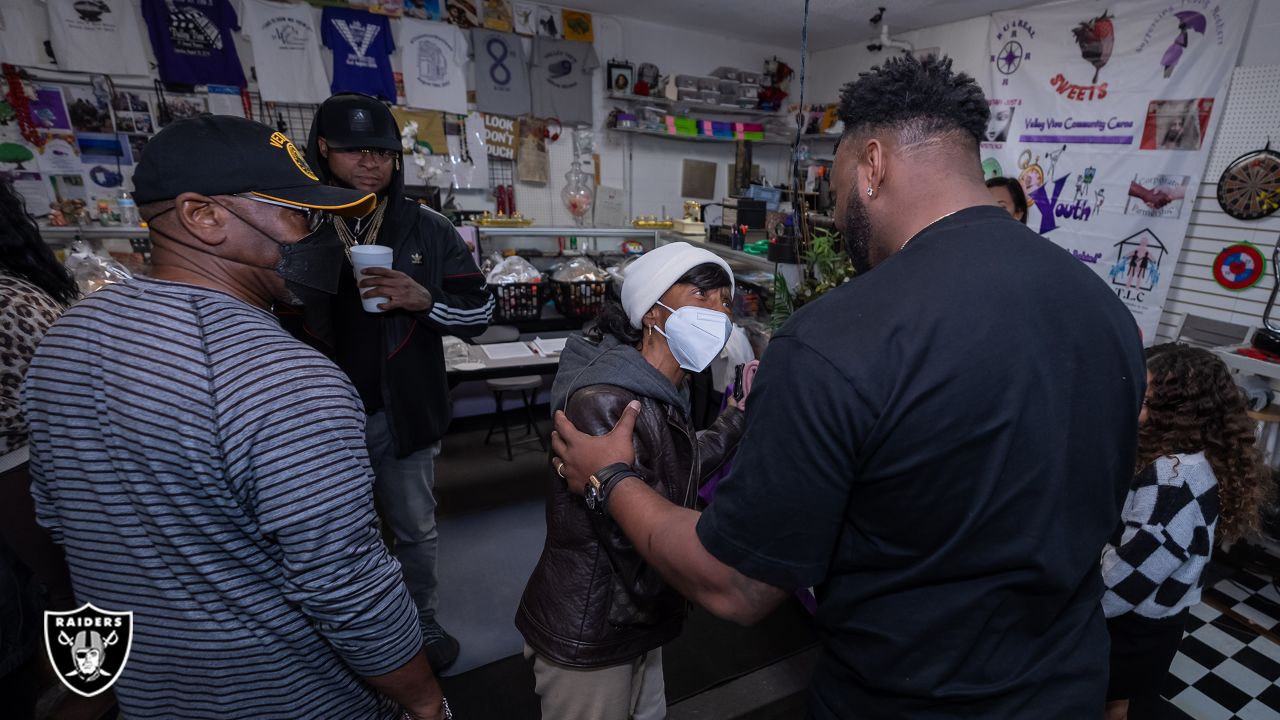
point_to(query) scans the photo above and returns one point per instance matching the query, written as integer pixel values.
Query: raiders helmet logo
(88, 647)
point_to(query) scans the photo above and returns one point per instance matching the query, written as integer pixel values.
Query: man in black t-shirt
(941, 446)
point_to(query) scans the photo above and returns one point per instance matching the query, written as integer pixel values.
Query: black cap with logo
(352, 120)
(227, 155)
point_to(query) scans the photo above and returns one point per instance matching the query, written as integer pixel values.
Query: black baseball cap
(352, 120)
(228, 155)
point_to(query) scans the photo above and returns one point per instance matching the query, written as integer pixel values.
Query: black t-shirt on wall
(942, 447)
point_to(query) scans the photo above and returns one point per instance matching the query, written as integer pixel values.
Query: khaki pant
(632, 691)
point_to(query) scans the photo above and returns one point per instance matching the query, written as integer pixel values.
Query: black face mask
(311, 268)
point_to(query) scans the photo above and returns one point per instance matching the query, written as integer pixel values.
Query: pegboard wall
(542, 202)
(1251, 115)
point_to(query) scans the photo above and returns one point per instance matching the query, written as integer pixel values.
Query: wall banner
(1106, 116)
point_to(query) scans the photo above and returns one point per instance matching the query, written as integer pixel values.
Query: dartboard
(1250, 186)
(1239, 266)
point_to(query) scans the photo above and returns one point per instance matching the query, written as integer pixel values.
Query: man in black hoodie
(395, 358)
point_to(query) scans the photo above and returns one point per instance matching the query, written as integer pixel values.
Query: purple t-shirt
(362, 47)
(194, 43)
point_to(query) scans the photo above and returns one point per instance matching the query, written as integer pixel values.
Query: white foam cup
(368, 256)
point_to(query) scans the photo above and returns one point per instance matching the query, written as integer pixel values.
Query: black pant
(1142, 649)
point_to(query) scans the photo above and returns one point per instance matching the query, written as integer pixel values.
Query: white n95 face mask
(696, 335)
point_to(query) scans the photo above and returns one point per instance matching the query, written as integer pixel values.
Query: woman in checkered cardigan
(1200, 480)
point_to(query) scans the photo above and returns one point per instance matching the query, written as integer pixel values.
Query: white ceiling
(832, 23)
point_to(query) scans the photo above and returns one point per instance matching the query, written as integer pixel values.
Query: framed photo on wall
(620, 77)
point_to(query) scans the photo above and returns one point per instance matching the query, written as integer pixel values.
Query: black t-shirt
(942, 447)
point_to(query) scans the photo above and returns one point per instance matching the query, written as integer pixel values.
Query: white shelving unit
(67, 233)
(737, 259)
(566, 231)
(651, 237)
(693, 106)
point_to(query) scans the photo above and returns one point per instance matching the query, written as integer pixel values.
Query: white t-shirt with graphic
(286, 51)
(23, 28)
(560, 77)
(100, 36)
(434, 64)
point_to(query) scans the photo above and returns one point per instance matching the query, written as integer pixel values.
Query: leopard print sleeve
(26, 313)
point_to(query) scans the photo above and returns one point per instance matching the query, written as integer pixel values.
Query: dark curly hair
(1194, 405)
(613, 318)
(24, 254)
(922, 99)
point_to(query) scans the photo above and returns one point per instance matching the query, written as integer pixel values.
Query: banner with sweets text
(1106, 112)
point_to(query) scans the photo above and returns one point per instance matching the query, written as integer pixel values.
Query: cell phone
(738, 392)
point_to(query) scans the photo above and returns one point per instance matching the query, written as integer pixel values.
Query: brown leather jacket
(592, 600)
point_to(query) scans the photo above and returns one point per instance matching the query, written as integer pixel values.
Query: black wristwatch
(600, 484)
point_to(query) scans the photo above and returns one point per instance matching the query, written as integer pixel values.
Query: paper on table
(506, 351)
(550, 346)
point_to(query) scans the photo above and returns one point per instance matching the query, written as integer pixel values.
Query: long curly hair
(1194, 405)
(24, 254)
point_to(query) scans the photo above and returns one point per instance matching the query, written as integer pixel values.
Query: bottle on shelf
(128, 209)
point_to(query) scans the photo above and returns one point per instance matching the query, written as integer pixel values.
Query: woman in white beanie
(594, 616)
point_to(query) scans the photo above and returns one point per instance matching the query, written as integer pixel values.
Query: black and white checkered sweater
(1155, 562)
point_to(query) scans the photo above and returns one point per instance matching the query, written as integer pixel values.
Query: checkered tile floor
(1228, 667)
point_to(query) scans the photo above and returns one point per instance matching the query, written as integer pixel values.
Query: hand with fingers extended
(577, 455)
(401, 291)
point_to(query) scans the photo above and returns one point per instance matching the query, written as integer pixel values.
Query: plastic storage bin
(581, 299)
(517, 301)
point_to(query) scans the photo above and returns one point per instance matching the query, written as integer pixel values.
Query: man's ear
(871, 168)
(324, 148)
(202, 218)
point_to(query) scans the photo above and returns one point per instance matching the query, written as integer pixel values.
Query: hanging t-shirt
(502, 73)
(100, 36)
(435, 63)
(22, 29)
(362, 47)
(560, 77)
(286, 52)
(193, 41)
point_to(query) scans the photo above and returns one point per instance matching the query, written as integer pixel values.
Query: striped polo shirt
(208, 472)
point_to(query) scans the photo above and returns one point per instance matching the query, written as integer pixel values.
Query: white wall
(655, 173)
(1262, 39)
(965, 42)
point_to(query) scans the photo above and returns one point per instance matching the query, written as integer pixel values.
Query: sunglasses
(378, 153)
(315, 218)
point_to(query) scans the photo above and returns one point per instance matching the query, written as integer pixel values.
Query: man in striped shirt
(208, 472)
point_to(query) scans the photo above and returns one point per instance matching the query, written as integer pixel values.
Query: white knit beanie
(648, 278)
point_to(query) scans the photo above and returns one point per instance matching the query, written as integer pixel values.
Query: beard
(855, 226)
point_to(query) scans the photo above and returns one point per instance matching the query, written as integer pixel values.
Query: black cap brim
(366, 142)
(339, 201)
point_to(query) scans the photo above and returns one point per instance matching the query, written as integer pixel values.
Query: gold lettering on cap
(301, 162)
(280, 140)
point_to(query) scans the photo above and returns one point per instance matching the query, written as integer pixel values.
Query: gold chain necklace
(369, 233)
(926, 227)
